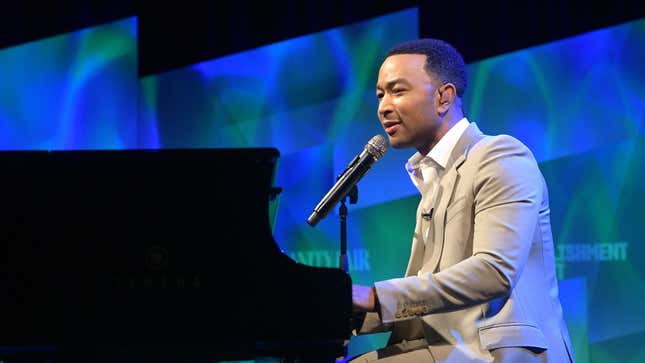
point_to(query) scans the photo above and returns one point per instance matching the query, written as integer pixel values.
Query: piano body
(155, 256)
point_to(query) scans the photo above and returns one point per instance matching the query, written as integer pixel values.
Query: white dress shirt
(426, 170)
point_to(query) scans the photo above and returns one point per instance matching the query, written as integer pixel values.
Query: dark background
(178, 33)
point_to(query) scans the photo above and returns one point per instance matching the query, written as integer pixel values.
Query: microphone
(373, 151)
(427, 216)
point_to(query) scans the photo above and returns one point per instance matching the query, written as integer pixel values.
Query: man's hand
(363, 298)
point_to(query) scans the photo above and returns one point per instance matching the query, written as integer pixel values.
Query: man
(480, 285)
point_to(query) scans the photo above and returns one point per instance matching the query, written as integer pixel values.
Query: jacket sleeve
(371, 323)
(506, 189)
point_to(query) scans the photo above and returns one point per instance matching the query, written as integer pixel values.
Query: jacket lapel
(447, 184)
(417, 253)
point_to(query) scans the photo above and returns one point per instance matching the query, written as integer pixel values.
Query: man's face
(407, 102)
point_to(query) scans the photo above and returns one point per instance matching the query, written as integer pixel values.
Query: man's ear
(447, 93)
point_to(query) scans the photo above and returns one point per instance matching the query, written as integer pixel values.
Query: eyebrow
(389, 84)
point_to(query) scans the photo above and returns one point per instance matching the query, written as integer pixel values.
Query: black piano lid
(153, 248)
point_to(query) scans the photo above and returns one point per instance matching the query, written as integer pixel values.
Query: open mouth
(391, 127)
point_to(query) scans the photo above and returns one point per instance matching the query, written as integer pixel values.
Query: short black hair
(443, 61)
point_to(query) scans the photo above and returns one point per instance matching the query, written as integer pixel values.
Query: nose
(384, 107)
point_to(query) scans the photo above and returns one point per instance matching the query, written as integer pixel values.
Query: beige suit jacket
(486, 278)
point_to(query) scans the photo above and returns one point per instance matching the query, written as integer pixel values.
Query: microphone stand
(343, 263)
(353, 198)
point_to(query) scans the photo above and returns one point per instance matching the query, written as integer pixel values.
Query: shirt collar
(440, 153)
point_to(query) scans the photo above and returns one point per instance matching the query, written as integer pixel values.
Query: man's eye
(397, 90)
(379, 96)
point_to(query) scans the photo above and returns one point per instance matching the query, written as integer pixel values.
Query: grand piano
(156, 256)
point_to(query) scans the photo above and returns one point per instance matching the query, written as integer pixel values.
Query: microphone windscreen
(377, 146)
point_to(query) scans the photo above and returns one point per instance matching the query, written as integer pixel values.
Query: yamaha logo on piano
(164, 281)
(157, 277)
(156, 258)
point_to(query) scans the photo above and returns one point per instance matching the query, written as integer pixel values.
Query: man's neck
(449, 120)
